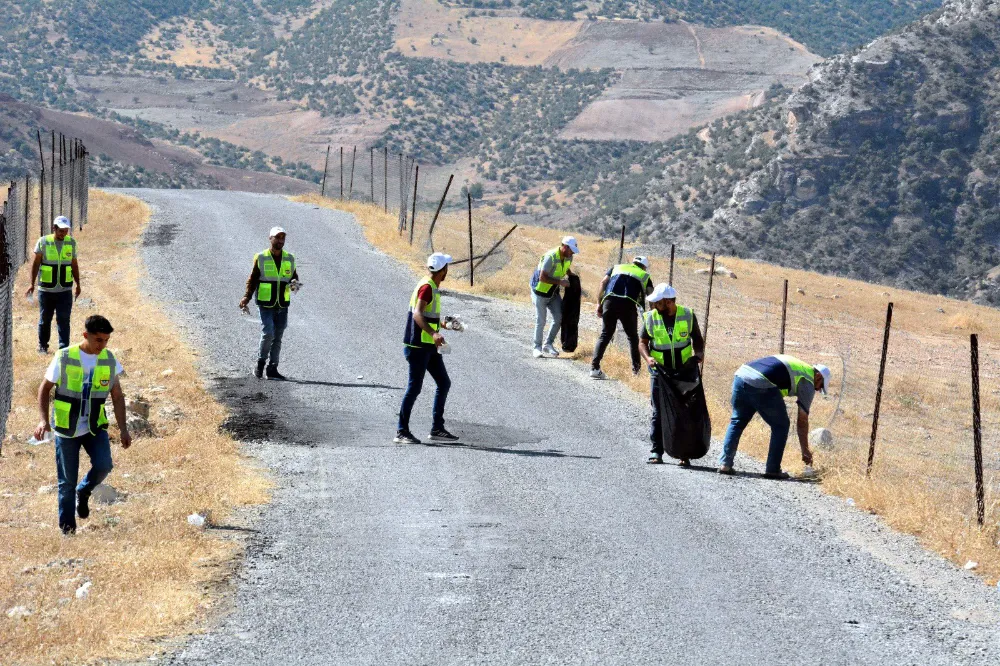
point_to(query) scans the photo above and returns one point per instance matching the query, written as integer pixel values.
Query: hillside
(882, 168)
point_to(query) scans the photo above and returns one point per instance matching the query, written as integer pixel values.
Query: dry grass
(152, 573)
(922, 481)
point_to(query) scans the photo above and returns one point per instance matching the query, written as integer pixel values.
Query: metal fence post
(326, 164)
(413, 210)
(977, 431)
(472, 279)
(354, 157)
(371, 168)
(784, 312)
(341, 173)
(878, 389)
(708, 302)
(430, 230)
(385, 179)
(670, 280)
(621, 246)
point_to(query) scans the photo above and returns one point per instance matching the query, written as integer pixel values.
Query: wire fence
(61, 189)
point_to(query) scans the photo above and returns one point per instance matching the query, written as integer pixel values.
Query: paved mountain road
(544, 539)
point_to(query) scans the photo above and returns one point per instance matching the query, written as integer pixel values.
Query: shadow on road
(529, 453)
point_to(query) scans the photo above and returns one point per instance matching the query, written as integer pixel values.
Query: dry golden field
(922, 481)
(152, 574)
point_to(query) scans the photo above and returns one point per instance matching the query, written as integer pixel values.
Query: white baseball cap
(62, 222)
(825, 371)
(570, 242)
(438, 260)
(642, 261)
(275, 231)
(661, 292)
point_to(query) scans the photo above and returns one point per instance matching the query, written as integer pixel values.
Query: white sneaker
(549, 350)
(598, 374)
(537, 353)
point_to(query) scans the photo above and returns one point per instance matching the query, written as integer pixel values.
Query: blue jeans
(543, 305)
(59, 303)
(98, 448)
(272, 326)
(424, 360)
(748, 401)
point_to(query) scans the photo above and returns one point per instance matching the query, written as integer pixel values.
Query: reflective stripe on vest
(663, 342)
(627, 281)
(431, 313)
(797, 371)
(274, 289)
(67, 404)
(560, 267)
(56, 270)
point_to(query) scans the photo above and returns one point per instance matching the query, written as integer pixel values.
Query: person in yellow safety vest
(623, 294)
(56, 271)
(551, 274)
(422, 341)
(272, 280)
(83, 377)
(671, 343)
(760, 387)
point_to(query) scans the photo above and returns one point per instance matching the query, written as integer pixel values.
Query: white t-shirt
(89, 362)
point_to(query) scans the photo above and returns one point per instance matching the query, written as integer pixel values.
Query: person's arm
(44, 392)
(421, 322)
(545, 276)
(600, 295)
(75, 267)
(35, 265)
(252, 282)
(118, 400)
(802, 428)
(644, 347)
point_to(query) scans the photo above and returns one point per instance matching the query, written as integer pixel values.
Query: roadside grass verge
(152, 574)
(922, 481)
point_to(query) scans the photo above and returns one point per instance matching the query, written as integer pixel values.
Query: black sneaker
(272, 373)
(259, 370)
(68, 529)
(442, 435)
(405, 437)
(83, 506)
(43, 350)
(777, 476)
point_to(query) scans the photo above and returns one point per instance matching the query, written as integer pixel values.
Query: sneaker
(537, 353)
(68, 530)
(598, 374)
(549, 350)
(442, 435)
(272, 373)
(635, 371)
(83, 506)
(259, 370)
(405, 437)
(655, 459)
(728, 471)
(777, 476)
(43, 350)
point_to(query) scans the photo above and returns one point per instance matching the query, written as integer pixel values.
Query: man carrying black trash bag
(672, 346)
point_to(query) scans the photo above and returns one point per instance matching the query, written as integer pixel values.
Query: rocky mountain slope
(883, 167)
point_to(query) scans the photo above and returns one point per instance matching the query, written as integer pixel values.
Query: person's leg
(629, 318)
(555, 307)
(436, 369)
(280, 322)
(417, 360)
(609, 320)
(98, 447)
(655, 432)
(67, 471)
(46, 308)
(266, 332)
(743, 410)
(772, 409)
(64, 308)
(541, 305)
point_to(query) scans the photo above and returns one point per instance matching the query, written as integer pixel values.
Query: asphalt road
(544, 538)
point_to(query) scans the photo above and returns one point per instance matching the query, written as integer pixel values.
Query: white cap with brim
(438, 260)
(570, 242)
(825, 371)
(62, 222)
(662, 292)
(642, 261)
(275, 231)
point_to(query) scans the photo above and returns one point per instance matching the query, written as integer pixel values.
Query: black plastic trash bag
(685, 425)
(570, 330)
